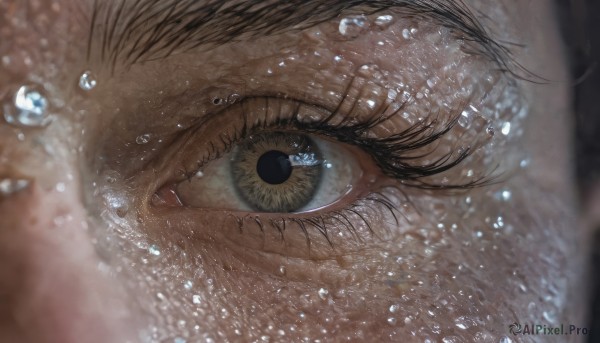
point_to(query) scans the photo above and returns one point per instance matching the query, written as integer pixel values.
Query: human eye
(331, 157)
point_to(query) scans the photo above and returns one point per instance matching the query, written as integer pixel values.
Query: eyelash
(389, 154)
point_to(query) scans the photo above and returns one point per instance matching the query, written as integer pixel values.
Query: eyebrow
(132, 31)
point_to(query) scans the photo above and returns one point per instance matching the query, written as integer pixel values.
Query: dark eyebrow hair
(131, 31)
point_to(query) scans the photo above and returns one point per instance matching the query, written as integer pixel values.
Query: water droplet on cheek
(28, 107)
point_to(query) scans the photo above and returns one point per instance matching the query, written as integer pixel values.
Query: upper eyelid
(154, 29)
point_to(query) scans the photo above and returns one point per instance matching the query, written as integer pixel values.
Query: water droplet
(143, 139)
(463, 323)
(490, 130)
(394, 308)
(505, 128)
(499, 223)
(199, 174)
(29, 107)
(406, 34)
(391, 320)
(384, 21)
(179, 340)
(323, 293)
(188, 285)
(282, 270)
(218, 101)
(524, 163)
(196, 299)
(352, 27)
(154, 250)
(465, 119)
(87, 81)
(505, 339)
(60, 187)
(11, 186)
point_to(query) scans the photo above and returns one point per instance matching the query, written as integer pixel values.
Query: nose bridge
(51, 286)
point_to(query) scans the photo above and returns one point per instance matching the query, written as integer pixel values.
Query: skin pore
(117, 236)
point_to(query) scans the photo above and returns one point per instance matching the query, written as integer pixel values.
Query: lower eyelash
(349, 219)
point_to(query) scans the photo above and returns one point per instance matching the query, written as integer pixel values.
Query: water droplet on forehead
(87, 81)
(29, 107)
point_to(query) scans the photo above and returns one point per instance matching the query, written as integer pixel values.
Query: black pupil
(274, 167)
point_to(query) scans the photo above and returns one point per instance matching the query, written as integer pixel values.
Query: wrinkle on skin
(142, 273)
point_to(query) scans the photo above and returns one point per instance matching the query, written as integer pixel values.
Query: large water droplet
(352, 27)
(384, 21)
(87, 81)
(29, 107)
(11, 186)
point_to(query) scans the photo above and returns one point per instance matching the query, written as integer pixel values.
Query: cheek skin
(449, 270)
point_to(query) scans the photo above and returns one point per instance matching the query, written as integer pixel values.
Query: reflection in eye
(278, 172)
(265, 177)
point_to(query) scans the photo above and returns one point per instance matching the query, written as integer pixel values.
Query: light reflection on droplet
(87, 81)
(29, 107)
(143, 139)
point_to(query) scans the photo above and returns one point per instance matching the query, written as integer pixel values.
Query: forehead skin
(67, 274)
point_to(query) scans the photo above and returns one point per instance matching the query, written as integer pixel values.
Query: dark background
(581, 22)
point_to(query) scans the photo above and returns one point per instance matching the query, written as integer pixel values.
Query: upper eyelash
(389, 153)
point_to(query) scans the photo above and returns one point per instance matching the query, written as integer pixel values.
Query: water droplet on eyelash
(11, 186)
(394, 308)
(199, 174)
(391, 320)
(282, 270)
(352, 27)
(323, 293)
(29, 107)
(490, 130)
(338, 58)
(384, 21)
(143, 139)
(154, 250)
(87, 81)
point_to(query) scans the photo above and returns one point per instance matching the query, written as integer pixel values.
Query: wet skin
(117, 239)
